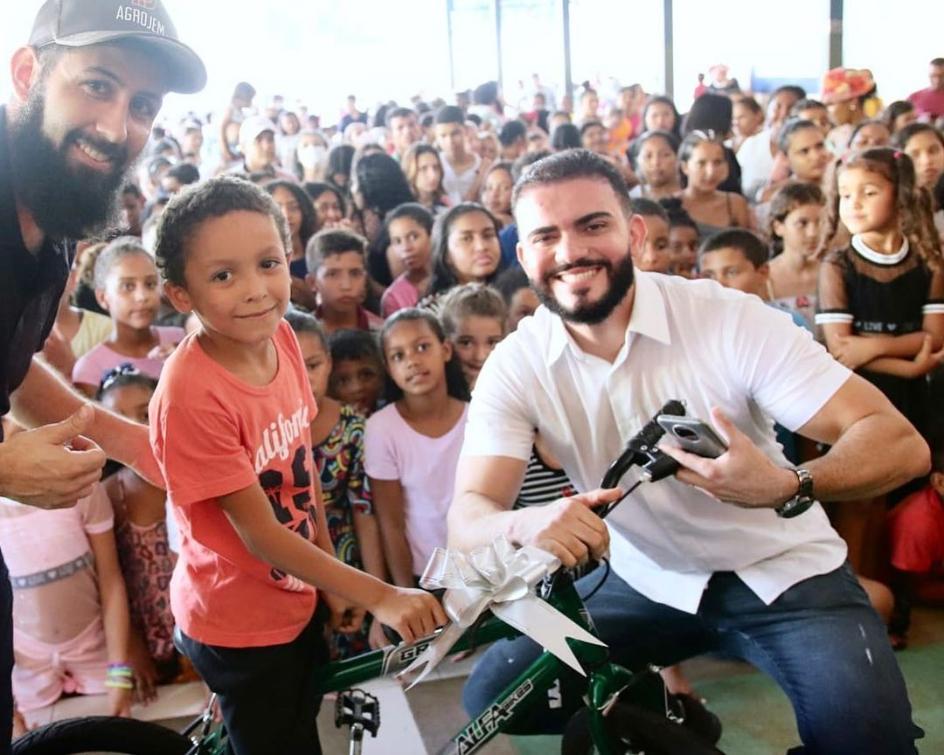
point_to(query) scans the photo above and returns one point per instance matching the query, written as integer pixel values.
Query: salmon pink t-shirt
(212, 435)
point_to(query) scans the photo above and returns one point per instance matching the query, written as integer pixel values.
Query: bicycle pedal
(357, 708)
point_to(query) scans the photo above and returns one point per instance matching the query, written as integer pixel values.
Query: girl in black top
(881, 299)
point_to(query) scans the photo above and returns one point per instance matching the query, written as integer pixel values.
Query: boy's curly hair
(189, 209)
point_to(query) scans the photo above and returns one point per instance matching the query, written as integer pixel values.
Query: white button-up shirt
(687, 340)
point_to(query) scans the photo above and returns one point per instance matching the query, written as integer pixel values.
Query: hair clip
(896, 154)
(122, 370)
(707, 135)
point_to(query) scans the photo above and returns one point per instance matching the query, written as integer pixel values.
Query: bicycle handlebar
(642, 450)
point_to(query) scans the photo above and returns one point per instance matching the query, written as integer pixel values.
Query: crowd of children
(391, 257)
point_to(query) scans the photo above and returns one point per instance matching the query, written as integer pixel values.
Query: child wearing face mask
(311, 155)
(128, 287)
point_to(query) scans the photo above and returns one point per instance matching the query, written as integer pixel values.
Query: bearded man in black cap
(86, 90)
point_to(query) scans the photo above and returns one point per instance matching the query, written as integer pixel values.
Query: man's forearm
(475, 520)
(858, 467)
(45, 397)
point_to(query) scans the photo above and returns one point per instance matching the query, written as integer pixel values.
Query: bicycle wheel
(126, 736)
(632, 729)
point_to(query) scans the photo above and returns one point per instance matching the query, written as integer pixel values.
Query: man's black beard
(66, 201)
(621, 280)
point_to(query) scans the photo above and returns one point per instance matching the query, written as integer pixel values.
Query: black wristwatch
(803, 498)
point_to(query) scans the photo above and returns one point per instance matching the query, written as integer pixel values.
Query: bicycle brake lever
(642, 451)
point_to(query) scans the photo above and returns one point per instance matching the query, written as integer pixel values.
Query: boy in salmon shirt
(230, 430)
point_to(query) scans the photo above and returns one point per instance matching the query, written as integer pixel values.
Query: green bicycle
(625, 711)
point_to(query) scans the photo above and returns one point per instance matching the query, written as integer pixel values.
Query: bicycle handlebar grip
(652, 431)
(640, 447)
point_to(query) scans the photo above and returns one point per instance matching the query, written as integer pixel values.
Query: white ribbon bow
(502, 578)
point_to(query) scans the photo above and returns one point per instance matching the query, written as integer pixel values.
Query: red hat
(844, 84)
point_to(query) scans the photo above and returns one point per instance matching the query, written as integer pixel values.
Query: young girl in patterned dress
(144, 549)
(337, 435)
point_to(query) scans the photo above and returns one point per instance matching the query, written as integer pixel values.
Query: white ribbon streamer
(502, 578)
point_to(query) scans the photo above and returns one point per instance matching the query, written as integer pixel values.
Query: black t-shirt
(30, 286)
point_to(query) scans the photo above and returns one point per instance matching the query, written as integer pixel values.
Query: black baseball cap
(79, 23)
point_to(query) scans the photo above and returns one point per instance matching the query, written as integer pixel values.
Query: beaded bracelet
(119, 676)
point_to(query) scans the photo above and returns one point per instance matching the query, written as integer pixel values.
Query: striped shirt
(543, 484)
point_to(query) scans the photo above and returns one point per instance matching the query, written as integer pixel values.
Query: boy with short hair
(230, 429)
(737, 258)
(683, 239)
(654, 257)
(357, 372)
(463, 171)
(337, 273)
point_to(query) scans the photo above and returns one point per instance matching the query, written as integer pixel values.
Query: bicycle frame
(605, 680)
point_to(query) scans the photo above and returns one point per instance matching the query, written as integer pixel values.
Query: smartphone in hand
(693, 435)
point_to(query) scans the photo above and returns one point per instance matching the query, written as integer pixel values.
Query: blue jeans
(820, 641)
